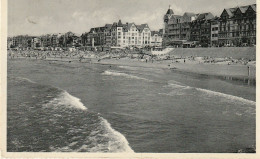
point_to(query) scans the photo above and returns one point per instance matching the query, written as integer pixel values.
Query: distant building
(237, 26)
(214, 31)
(201, 29)
(22, 41)
(172, 27)
(120, 35)
(177, 28)
(156, 38)
(36, 42)
(187, 18)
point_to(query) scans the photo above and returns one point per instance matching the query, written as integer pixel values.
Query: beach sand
(220, 66)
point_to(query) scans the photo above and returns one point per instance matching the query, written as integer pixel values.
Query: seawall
(221, 52)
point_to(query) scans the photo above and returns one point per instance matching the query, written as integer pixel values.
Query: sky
(38, 17)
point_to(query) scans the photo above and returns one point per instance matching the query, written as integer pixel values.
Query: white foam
(114, 73)
(128, 67)
(227, 96)
(118, 142)
(25, 79)
(173, 85)
(65, 99)
(177, 85)
(105, 139)
(138, 68)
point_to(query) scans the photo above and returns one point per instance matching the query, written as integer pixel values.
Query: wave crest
(65, 99)
(114, 73)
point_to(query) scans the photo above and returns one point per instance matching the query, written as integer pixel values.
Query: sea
(56, 106)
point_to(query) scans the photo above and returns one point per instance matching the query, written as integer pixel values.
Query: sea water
(82, 107)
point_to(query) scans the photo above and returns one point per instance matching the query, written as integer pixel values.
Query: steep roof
(253, 6)
(230, 11)
(205, 16)
(169, 11)
(142, 26)
(114, 25)
(243, 8)
(189, 14)
(108, 25)
(129, 25)
(175, 16)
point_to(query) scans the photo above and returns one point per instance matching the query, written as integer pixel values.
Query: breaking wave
(68, 100)
(181, 88)
(114, 73)
(227, 96)
(22, 79)
(58, 121)
(101, 137)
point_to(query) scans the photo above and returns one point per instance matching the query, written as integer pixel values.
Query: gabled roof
(243, 8)
(129, 25)
(175, 17)
(189, 14)
(229, 11)
(205, 16)
(142, 26)
(253, 6)
(114, 24)
(108, 25)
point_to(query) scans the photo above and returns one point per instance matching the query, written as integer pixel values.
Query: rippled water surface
(59, 106)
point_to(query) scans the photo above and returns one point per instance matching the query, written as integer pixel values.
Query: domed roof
(170, 11)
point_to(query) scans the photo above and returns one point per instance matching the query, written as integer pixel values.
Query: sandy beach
(219, 66)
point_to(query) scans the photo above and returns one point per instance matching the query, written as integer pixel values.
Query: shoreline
(227, 72)
(217, 70)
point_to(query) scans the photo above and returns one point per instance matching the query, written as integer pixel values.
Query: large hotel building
(122, 35)
(235, 27)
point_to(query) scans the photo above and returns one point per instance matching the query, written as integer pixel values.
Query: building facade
(201, 29)
(177, 28)
(119, 35)
(214, 32)
(156, 38)
(237, 26)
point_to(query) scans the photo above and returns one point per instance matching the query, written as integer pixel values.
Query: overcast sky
(37, 17)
